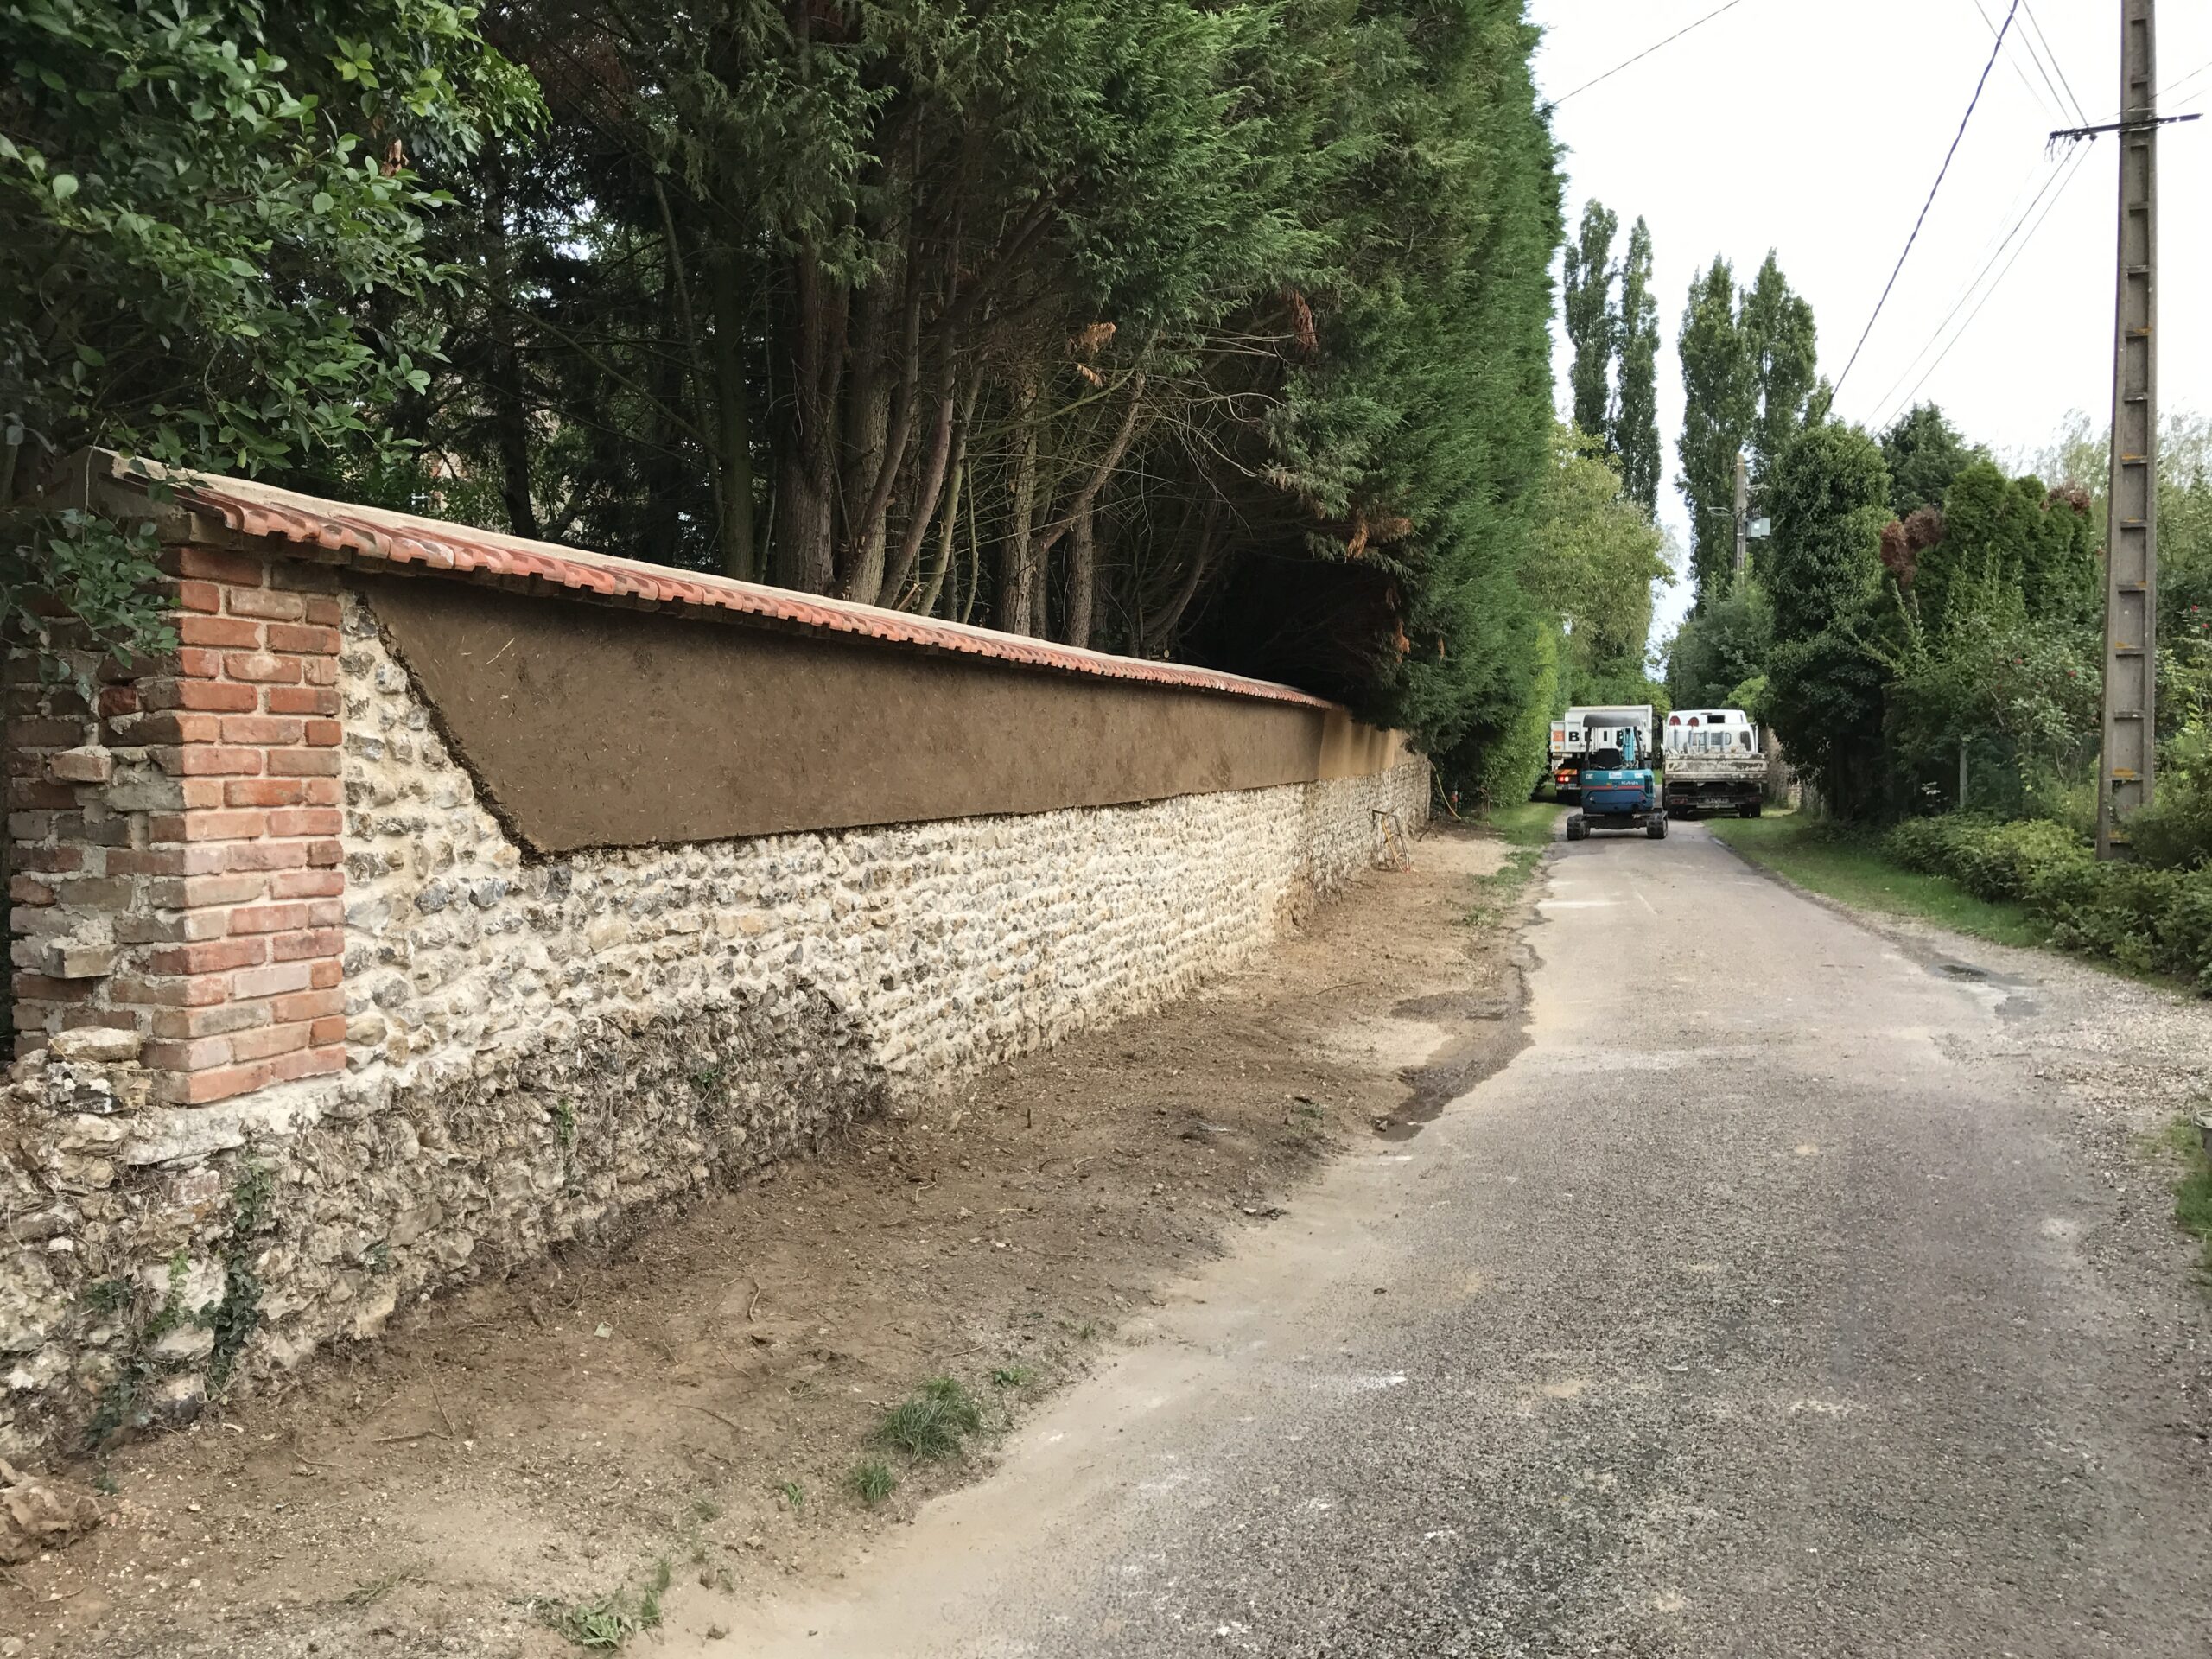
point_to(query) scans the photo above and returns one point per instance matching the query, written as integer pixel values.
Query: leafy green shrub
(2175, 833)
(2145, 917)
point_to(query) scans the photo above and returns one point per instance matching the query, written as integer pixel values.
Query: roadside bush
(2144, 918)
(2175, 832)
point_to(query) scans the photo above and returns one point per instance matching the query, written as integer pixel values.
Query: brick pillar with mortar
(174, 843)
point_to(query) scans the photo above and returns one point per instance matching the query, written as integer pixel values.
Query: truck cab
(1715, 764)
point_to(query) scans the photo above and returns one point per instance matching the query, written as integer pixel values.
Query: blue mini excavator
(1620, 792)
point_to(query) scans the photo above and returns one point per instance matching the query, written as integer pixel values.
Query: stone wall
(207, 1171)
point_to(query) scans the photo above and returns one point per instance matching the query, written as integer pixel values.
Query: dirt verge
(569, 1446)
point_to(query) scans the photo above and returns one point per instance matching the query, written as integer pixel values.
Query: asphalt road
(1754, 1308)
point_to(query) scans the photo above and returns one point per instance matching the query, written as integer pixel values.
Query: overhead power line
(1998, 46)
(2058, 68)
(1647, 52)
(2011, 62)
(2061, 177)
(2053, 104)
(2175, 85)
(2006, 226)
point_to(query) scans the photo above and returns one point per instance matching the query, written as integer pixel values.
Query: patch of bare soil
(690, 1406)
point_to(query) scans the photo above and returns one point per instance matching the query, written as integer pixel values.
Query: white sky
(1815, 127)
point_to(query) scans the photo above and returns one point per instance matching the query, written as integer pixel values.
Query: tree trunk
(928, 486)
(510, 418)
(948, 528)
(733, 422)
(867, 413)
(1103, 471)
(1083, 575)
(864, 580)
(958, 467)
(666, 469)
(1160, 635)
(806, 461)
(1015, 573)
(975, 568)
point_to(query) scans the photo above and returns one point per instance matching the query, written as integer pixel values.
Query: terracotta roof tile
(371, 535)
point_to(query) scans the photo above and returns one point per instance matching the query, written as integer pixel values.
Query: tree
(1205, 333)
(1636, 430)
(1216, 333)
(1748, 385)
(1776, 325)
(1593, 328)
(1996, 601)
(1596, 555)
(213, 240)
(1924, 452)
(1829, 498)
(2002, 537)
(1721, 648)
(1720, 396)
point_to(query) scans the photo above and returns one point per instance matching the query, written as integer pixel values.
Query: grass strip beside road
(1528, 828)
(2192, 1185)
(1526, 824)
(1855, 872)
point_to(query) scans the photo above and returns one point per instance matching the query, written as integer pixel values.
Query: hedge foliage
(2144, 919)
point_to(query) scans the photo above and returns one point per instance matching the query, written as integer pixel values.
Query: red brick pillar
(178, 866)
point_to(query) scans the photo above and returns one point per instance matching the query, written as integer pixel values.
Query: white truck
(1596, 727)
(1715, 764)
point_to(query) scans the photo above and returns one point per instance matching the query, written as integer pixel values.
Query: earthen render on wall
(330, 994)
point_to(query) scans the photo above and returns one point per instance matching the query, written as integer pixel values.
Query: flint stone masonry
(522, 1049)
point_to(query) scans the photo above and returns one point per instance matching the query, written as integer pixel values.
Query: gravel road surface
(1799, 1289)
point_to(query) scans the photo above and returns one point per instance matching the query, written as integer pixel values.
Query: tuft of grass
(605, 1622)
(872, 1481)
(1840, 867)
(608, 1621)
(794, 1496)
(1011, 1377)
(933, 1423)
(2193, 1185)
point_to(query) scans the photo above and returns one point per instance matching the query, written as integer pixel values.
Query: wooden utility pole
(1743, 524)
(2128, 762)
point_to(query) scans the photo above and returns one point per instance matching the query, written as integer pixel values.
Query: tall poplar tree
(1592, 325)
(1749, 368)
(1636, 427)
(1720, 396)
(1777, 324)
